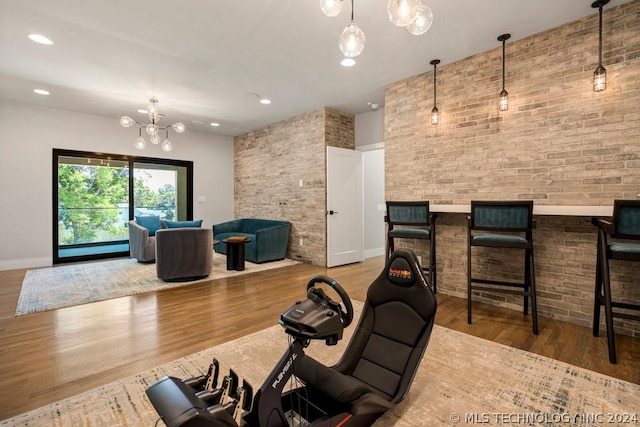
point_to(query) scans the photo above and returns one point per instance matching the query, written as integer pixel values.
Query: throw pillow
(183, 224)
(150, 222)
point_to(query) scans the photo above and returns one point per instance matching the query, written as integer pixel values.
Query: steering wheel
(345, 316)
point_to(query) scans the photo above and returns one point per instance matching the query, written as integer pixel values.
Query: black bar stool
(625, 228)
(503, 224)
(417, 223)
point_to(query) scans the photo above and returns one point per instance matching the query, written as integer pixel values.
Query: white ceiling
(202, 58)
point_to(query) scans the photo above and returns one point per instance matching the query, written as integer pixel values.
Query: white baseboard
(370, 253)
(14, 264)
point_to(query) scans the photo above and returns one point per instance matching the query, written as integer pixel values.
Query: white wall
(369, 129)
(30, 133)
(373, 202)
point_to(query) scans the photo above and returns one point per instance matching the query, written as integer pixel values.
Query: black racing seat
(381, 360)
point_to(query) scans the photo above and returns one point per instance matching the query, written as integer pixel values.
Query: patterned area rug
(462, 380)
(67, 285)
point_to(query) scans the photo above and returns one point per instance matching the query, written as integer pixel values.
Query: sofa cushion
(183, 224)
(150, 222)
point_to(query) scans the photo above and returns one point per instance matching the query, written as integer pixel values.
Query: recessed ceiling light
(143, 111)
(41, 91)
(348, 62)
(265, 101)
(215, 124)
(39, 38)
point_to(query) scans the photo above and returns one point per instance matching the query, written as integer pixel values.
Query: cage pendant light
(503, 104)
(600, 74)
(435, 114)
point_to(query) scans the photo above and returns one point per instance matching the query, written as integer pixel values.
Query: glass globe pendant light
(422, 20)
(152, 109)
(152, 129)
(352, 39)
(140, 142)
(166, 144)
(178, 127)
(126, 121)
(331, 7)
(402, 12)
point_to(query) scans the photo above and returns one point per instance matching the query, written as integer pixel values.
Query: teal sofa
(269, 238)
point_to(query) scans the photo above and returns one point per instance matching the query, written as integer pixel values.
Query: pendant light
(410, 14)
(166, 144)
(331, 7)
(152, 129)
(503, 104)
(422, 20)
(435, 114)
(600, 74)
(352, 39)
(402, 12)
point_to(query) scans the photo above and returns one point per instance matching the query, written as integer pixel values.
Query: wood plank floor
(45, 357)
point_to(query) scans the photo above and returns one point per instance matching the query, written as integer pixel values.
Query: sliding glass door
(95, 195)
(160, 190)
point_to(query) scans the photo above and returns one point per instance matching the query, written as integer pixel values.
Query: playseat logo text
(405, 274)
(286, 368)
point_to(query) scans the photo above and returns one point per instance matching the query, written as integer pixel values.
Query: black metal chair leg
(534, 303)
(597, 300)
(432, 266)
(527, 280)
(432, 254)
(469, 284)
(611, 336)
(391, 247)
(387, 250)
(608, 308)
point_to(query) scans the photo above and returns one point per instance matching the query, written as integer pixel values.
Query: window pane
(93, 200)
(160, 190)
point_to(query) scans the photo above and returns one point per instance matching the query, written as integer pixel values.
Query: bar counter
(550, 210)
(565, 263)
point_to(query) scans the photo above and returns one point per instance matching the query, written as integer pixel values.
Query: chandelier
(152, 129)
(410, 14)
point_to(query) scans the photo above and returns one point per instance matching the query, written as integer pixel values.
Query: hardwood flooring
(45, 357)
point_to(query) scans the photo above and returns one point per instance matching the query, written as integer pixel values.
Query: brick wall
(559, 143)
(269, 165)
(340, 129)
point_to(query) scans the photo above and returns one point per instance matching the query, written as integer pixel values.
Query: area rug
(68, 285)
(462, 380)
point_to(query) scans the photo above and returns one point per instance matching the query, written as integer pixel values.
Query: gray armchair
(184, 253)
(141, 246)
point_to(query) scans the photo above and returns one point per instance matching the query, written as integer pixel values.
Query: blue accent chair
(504, 225)
(412, 220)
(624, 227)
(269, 239)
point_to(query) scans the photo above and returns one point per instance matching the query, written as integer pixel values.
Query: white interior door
(344, 206)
